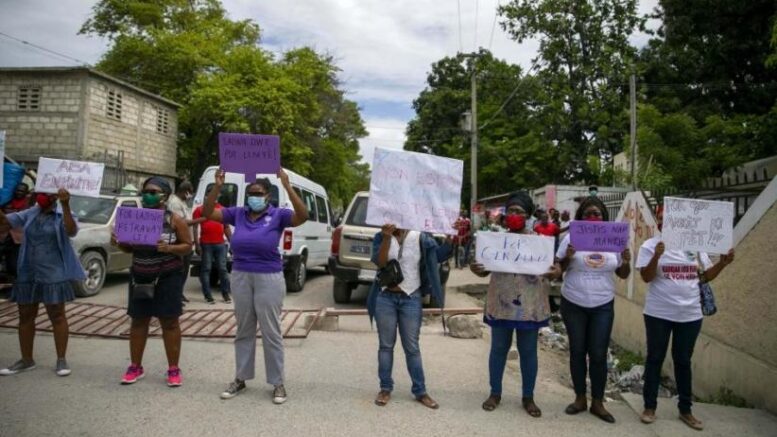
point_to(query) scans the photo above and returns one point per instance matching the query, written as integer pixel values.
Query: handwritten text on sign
(249, 154)
(599, 236)
(139, 226)
(415, 191)
(78, 177)
(514, 253)
(698, 225)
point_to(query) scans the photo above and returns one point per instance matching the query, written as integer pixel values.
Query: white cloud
(388, 133)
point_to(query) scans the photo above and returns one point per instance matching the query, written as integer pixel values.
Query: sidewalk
(331, 380)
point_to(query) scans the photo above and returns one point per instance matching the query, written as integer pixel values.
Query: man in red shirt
(545, 226)
(210, 244)
(461, 241)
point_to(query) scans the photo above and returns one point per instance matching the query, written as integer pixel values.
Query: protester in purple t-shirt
(258, 285)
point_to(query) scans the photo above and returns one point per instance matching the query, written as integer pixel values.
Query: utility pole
(474, 146)
(633, 129)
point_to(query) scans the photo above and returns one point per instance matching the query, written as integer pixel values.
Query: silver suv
(349, 261)
(96, 216)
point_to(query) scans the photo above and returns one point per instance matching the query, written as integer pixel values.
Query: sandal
(428, 402)
(383, 398)
(691, 421)
(492, 402)
(573, 409)
(531, 407)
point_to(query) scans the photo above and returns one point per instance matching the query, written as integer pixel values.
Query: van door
(324, 229)
(307, 234)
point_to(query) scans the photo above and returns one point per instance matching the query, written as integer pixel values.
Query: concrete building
(83, 114)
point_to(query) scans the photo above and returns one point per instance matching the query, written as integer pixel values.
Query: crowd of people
(517, 305)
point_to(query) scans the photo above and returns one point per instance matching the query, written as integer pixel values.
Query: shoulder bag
(390, 275)
(708, 306)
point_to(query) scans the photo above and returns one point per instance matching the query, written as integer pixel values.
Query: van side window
(129, 204)
(310, 203)
(322, 210)
(228, 196)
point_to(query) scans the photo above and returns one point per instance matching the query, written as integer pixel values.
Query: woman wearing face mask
(258, 285)
(47, 266)
(587, 306)
(516, 303)
(160, 265)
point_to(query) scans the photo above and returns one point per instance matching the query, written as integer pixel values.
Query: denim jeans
(683, 341)
(589, 332)
(526, 340)
(214, 253)
(399, 311)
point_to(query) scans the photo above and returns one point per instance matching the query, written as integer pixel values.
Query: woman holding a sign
(516, 303)
(156, 280)
(47, 267)
(258, 285)
(587, 304)
(673, 308)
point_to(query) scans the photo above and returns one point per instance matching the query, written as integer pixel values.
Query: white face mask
(189, 196)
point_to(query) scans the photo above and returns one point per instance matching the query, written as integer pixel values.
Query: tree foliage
(190, 51)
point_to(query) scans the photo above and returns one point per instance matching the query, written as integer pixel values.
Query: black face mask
(19, 195)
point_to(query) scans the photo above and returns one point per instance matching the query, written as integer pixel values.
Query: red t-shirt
(549, 229)
(462, 225)
(211, 232)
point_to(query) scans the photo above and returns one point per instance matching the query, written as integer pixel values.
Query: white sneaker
(17, 367)
(62, 368)
(279, 394)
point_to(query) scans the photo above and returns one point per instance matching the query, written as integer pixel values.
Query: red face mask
(593, 218)
(515, 222)
(43, 200)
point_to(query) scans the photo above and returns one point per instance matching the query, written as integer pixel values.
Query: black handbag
(143, 291)
(391, 275)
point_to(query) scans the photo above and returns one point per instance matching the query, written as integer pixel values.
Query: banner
(249, 154)
(80, 178)
(599, 236)
(514, 253)
(697, 225)
(415, 191)
(139, 225)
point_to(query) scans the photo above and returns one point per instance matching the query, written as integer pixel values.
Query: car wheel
(341, 291)
(295, 281)
(94, 266)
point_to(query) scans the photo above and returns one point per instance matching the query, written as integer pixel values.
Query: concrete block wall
(50, 131)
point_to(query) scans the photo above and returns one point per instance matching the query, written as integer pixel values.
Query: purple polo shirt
(255, 244)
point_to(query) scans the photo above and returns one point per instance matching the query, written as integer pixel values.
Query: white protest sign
(415, 191)
(78, 177)
(514, 253)
(698, 225)
(2, 153)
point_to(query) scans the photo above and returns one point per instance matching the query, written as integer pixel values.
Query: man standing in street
(209, 244)
(461, 241)
(178, 204)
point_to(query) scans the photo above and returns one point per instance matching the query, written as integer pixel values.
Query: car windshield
(358, 215)
(92, 210)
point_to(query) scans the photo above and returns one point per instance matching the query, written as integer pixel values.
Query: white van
(301, 247)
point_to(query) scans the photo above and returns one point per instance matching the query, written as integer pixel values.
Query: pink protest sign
(599, 236)
(139, 226)
(250, 154)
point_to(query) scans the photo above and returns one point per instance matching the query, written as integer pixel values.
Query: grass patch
(727, 397)
(628, 359)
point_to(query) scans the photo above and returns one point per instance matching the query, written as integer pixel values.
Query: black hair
(160, 182)
(263, 182)
(592, 201)
(185, 186)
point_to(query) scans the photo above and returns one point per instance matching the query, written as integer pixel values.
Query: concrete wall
(50, 131)
(737, 348)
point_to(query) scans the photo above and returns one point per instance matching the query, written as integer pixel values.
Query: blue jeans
(398, 310)
(589, 332)
(214, 253)
(683, 341)
(526, 340)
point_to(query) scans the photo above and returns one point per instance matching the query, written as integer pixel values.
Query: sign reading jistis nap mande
(514, 253)
(78, 177)
(415, 191)
(698, 225)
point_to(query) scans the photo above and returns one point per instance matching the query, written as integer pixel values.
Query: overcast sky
(384, 48)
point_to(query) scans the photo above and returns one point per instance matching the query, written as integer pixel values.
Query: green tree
(583, 64)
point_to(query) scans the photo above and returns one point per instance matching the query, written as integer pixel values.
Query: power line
(461, 44)
(44, 49)
(493, 26)
(477, 4)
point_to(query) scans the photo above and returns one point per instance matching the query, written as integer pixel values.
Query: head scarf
(522, 199)
(159, 182)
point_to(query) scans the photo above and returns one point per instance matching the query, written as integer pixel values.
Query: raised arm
(386, 233)
(209, 210)
(71, 229)
(300, 215)
(649, 272)
(715, 270)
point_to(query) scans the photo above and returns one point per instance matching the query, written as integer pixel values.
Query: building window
(162, 121)
(28, 98)
(113, 109)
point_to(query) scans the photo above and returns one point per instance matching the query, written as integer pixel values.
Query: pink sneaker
(174, 377)
(134, 373)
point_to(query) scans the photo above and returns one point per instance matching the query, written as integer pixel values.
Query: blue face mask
(257, 203)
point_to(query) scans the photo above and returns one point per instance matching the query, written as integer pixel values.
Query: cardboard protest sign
(139, 225)
(698, 225)
(415, 191)
(599, 236)
(78, 177)
(249, 154)
(514, 253)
